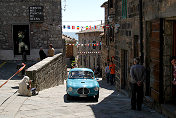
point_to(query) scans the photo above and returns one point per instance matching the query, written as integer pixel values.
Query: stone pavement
(7, 69)
(52, 103)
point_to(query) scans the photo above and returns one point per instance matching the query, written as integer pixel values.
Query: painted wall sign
(36, 14)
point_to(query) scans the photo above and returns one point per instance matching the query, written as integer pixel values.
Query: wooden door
(156, 78)
(124, 70)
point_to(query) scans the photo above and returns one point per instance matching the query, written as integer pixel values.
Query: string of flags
(89, 44)
(86, 27)
(89, 52)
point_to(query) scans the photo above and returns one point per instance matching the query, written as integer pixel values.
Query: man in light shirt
(107, 71)
(51, 51)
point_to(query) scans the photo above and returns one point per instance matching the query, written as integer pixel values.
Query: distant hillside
(71, 34)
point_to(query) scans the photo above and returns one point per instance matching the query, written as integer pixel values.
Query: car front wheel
(96, 97)
(68, 97)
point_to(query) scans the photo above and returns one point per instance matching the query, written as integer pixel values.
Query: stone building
(27, 25)
(159, 27)
(71, 49)
(160, 45)
(108, 48)
(89, 49)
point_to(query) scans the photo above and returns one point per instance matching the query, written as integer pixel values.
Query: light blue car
(81, 82)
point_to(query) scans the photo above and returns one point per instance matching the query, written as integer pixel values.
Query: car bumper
(74, 93)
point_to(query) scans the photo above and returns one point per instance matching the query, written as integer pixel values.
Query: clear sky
(82, 10)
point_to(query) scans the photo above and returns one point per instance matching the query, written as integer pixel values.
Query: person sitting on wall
(42, 54)
(51, 51)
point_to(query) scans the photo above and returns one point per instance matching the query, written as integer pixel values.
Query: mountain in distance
(71, 34)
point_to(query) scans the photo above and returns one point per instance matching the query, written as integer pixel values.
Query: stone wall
(41, 34)
(48, 72)
(167, 53)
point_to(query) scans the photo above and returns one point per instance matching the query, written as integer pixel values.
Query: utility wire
(84, 21)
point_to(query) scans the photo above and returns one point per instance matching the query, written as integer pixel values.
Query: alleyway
(52, 103)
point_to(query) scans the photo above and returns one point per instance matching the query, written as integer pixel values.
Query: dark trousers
(136, 91)
(112, 78)
(107, 77)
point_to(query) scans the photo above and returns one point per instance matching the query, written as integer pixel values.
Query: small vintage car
(81, 82)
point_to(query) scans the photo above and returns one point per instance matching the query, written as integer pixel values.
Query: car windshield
(81, 74)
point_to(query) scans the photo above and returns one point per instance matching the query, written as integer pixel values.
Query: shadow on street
(10, 68)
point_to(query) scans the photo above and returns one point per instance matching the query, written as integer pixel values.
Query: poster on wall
(36, 14)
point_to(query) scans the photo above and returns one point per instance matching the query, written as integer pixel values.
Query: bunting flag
(73, 27)
(77, 27)
(89, 52)
(90, 27)
(89, 44)
(95, 27)
(64, 26)
(84, 27)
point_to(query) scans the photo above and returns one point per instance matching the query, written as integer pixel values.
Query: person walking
(138, 74)
(107, 72)
(51, 51)
(112, 72)
(42, 54)
(173, 62)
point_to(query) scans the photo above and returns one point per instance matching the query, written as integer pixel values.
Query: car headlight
(70, 89)
(96, 88)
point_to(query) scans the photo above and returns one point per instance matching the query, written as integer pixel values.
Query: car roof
(81, 69)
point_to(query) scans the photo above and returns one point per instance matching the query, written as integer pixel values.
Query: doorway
(124, 72)
(174, 54)
(21, 39)
(174, 40)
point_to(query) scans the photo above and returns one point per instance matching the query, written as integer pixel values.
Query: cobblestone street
(52, 103)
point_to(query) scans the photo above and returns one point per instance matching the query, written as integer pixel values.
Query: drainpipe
(141, 32)
(108, 29)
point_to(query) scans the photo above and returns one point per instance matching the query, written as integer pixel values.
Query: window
(81, 59)
(110, 3)
(81, 75)
(94, 44)
(136, 37)
(100, 45)
(124, 8)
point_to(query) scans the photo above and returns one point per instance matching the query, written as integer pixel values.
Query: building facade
(160, 38)
(108, 48)
(27, 26)
(89, 48)
(71, 50)
(158, 44)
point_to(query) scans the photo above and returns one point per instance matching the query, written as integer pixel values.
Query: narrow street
(120, 53)
(52, 103)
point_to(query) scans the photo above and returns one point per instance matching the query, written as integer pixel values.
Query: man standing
(50, 51)
(107, 71)
(138, 74)
(42, 54)
(112, 72)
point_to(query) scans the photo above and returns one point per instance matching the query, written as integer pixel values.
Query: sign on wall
(36, 14)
